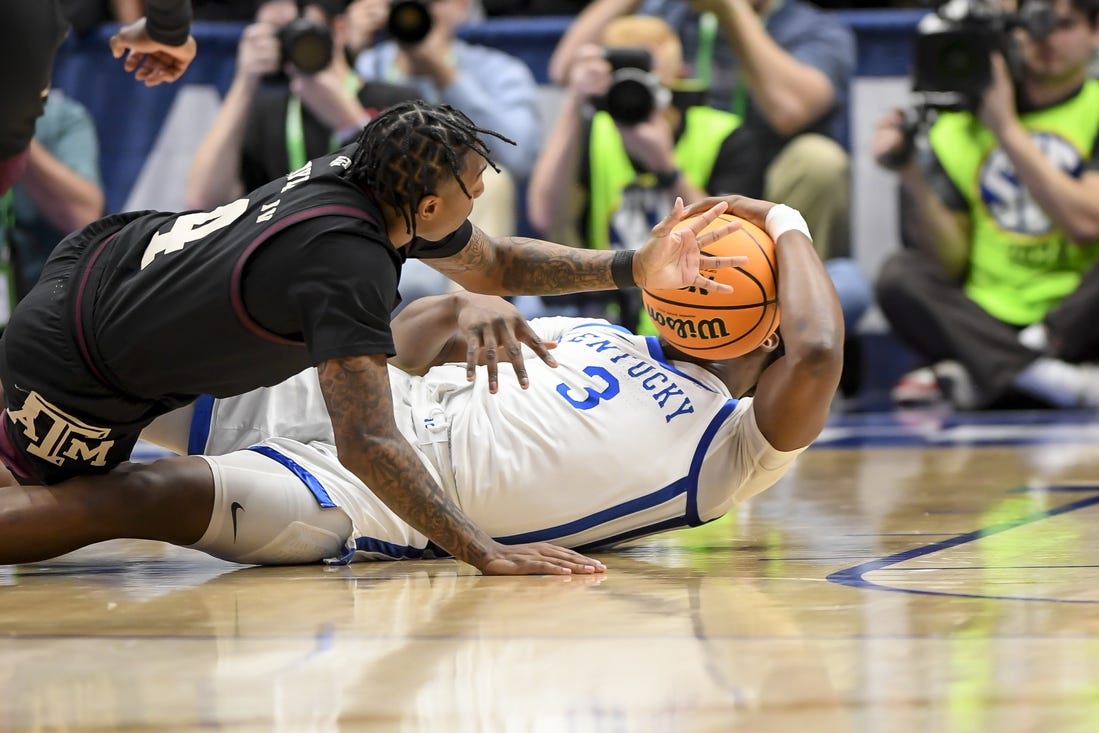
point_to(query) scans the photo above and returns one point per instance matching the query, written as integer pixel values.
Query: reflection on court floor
(913, 573)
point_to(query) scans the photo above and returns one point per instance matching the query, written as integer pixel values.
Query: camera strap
(295, 126)
(704, 63)
(704, 57)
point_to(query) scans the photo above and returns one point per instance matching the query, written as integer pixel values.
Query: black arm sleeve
(30, 33)
(168, 21)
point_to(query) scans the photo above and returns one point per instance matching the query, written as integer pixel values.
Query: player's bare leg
(170, 500)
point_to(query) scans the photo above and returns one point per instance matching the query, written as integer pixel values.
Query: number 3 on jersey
(190, 227)
(592, 398)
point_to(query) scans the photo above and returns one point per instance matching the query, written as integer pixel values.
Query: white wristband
(781, 219)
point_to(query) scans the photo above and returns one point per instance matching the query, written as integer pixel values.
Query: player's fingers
(573, 560)
(526, 335)
(541, 348)
(473, 353)
(133, 60)
(716, 233)
(118, 46)
(145, 69)
(558, 566)
(708, 262)
(514, 351)
(700, 206)
(715, 286)
(156, 71)
(584, 566)
(667, 224)
(700, 222)
(524, 566)
(151, 77)
(574, 566)
(168, 72)
(154, 66)
(171, 73)
(491, 363)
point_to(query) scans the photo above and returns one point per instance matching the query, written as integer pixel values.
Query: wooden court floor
(910, 575)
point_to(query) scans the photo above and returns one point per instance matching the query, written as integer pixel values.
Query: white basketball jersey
(614, 443)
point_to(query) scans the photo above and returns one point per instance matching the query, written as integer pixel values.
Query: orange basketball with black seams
(716, 325)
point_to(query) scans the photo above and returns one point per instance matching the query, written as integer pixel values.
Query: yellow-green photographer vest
(1020, 265)
(611, 171)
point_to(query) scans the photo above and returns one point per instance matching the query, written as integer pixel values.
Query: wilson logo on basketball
(714, 324)
(704, 329)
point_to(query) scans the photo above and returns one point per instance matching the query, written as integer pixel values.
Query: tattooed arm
(520, 266)
(356, 391)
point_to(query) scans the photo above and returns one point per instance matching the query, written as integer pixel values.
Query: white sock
(1035, 337)
(1058, 382)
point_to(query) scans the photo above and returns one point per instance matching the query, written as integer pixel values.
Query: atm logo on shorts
(705, 329)
(57, 437)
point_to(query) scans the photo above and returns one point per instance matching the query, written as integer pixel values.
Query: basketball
(713, 325)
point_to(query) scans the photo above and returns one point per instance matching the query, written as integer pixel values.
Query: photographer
(785, 67)
(613, 180)
(155, 49)
(495, 89)
(1000, 290)
(277, 115)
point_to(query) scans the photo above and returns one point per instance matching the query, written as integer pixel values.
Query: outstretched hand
(540, 558)
(672, 258)
(490, 324)
(153, 62)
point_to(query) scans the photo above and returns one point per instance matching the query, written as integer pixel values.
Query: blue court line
(1082, 488)
(898, 429)
(924, 568)
(903, 534)
(853, 576)
(822, 558)
(899, 419)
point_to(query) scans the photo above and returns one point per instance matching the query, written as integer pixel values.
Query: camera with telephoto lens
(953, 44)
(409, 21)
(305, 44)
(952, 66)
(635, 92)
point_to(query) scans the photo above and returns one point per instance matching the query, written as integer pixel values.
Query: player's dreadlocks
(404, 152)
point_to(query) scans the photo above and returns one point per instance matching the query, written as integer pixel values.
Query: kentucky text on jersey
(653, 378)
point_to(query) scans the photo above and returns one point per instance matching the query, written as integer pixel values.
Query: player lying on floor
(623, 438)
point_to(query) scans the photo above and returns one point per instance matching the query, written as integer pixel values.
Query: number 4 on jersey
(190, 227)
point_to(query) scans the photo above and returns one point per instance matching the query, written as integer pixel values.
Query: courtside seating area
(130, 116)
(147, 135)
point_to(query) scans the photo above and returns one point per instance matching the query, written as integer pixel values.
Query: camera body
(635, 92)
(409, 21)
(953, 44)
(305, 44)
